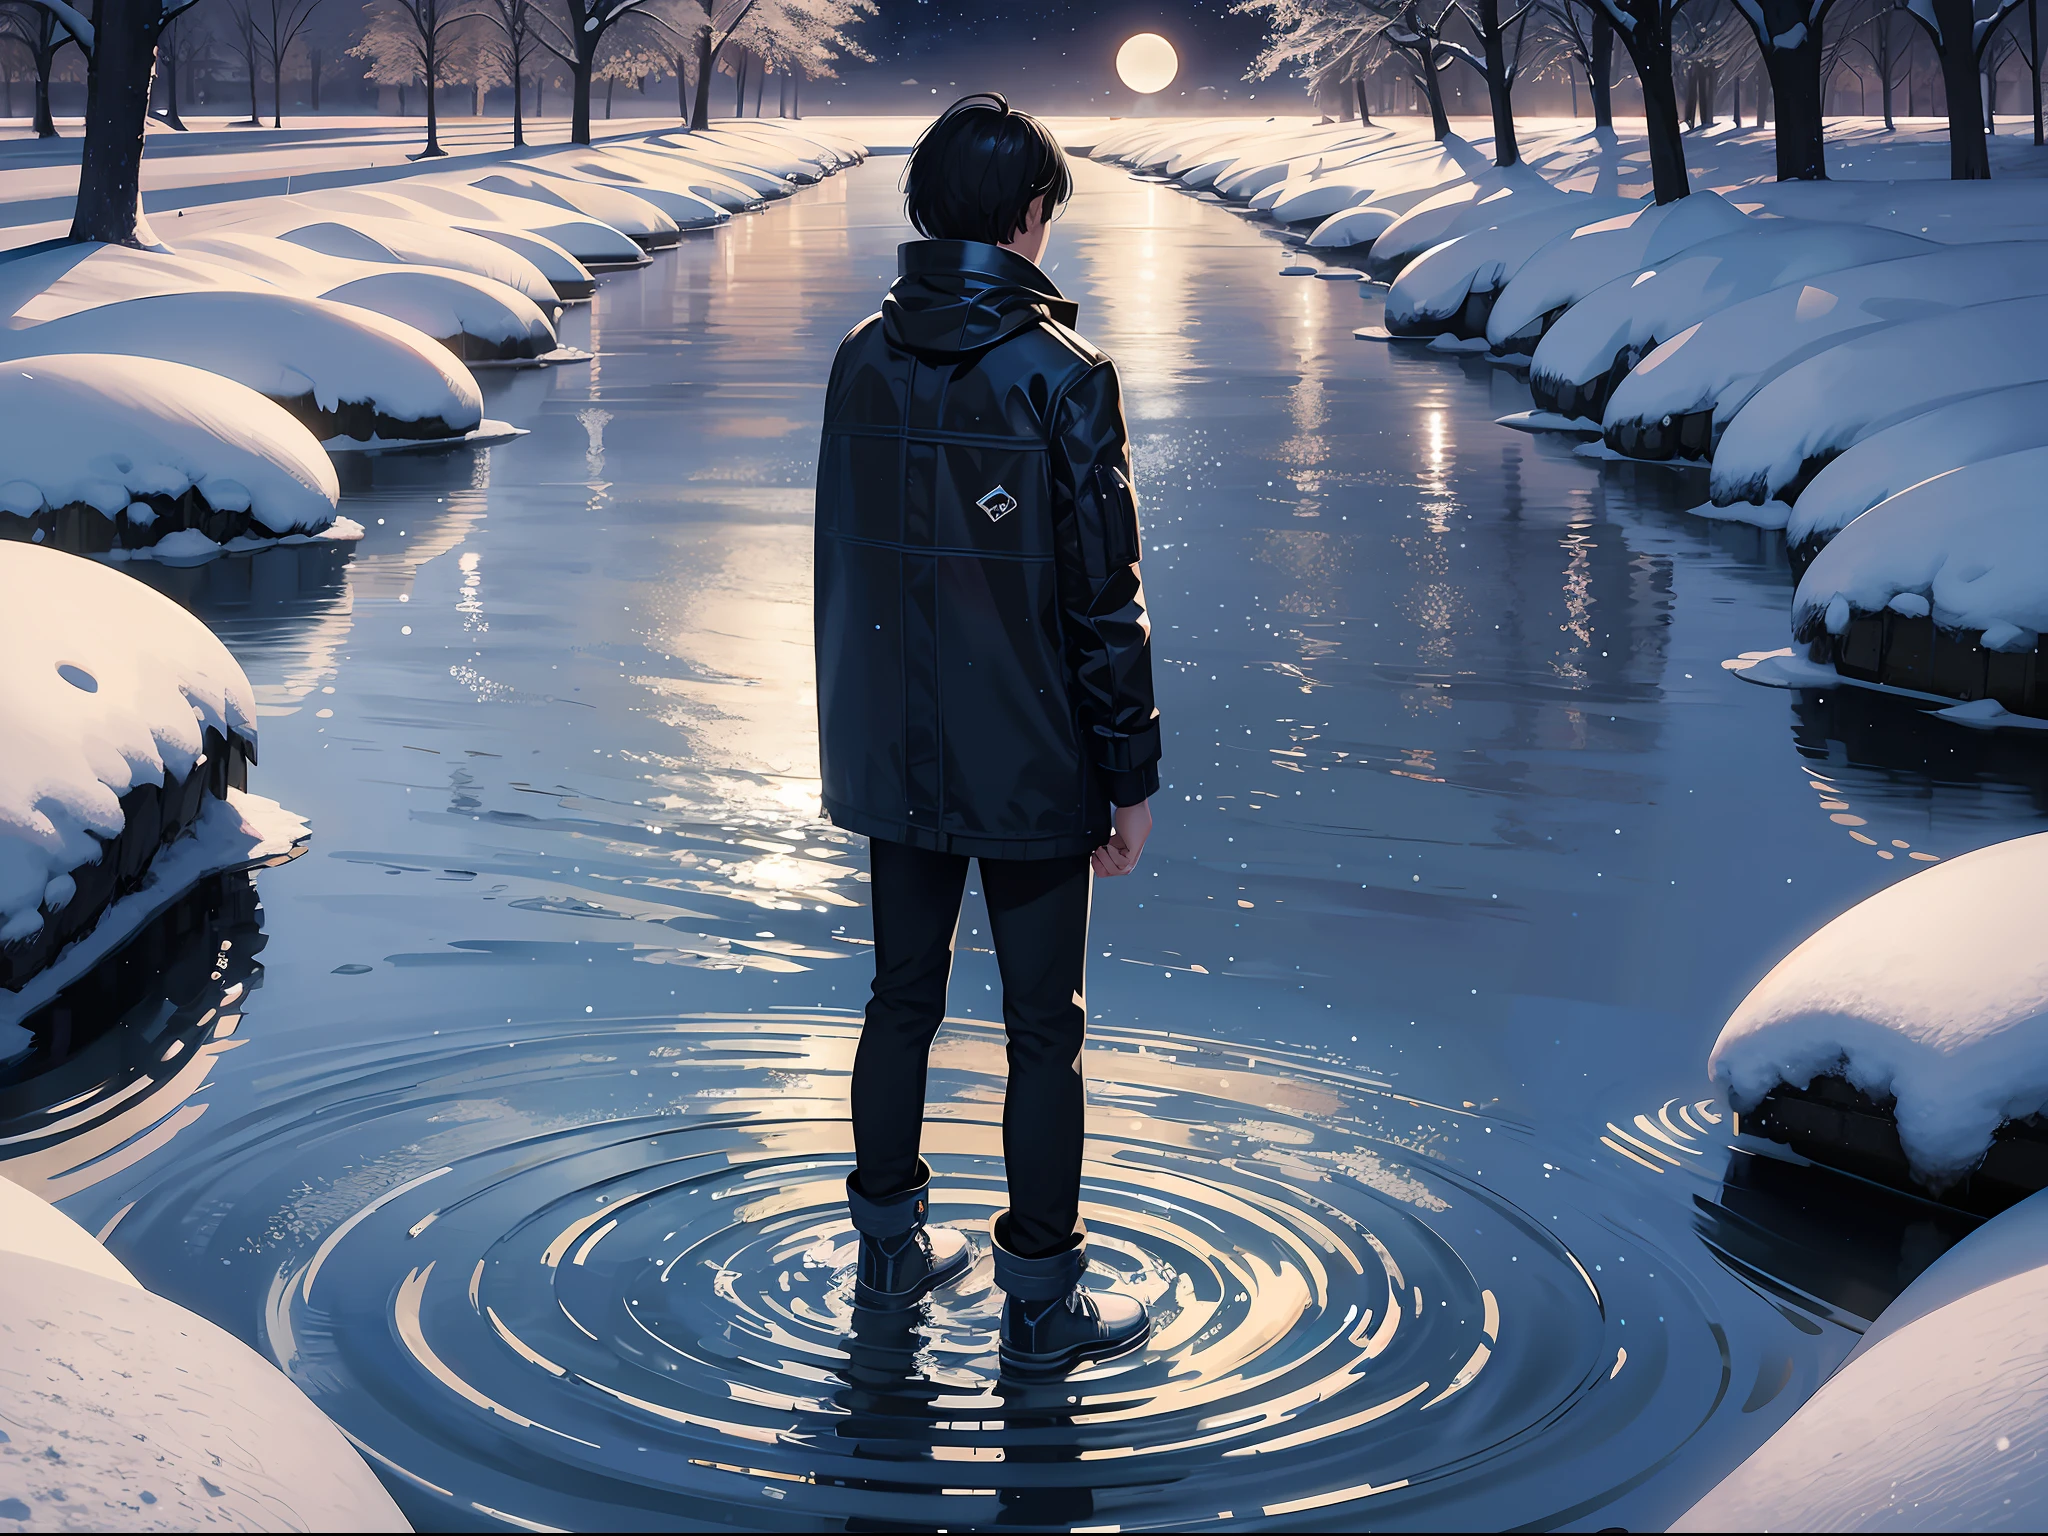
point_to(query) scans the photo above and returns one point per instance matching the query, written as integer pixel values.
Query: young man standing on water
(984, 693)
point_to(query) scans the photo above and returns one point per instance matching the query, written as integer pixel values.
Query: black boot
(902, 1259)
(1051, 1325)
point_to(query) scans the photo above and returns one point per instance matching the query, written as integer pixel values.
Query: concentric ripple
(602, 1279)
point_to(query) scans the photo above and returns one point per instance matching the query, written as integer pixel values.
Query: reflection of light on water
(577, 1249)
(1678, 1127)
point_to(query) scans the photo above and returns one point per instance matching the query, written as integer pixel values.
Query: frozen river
(511, 1122)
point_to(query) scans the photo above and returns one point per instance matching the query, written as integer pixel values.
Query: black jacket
(984, 659)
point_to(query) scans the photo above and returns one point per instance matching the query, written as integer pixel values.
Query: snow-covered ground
(1937, 1421)
(1764, 329)
(126, 1412)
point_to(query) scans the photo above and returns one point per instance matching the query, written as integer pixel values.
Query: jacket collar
(959, 296)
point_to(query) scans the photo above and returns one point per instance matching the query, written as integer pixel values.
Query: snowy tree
(1334, 47)
(245, 45)
(186, 44)
(1707, 40)
(420, 30)
(509, 27)
(119, 43)
(1645, 28)
(1582, 33)
(1959, 31)
(472, 58)
(631, 58)
(573, 32)
(42, 37)
(1502, 40)
(1882, 32)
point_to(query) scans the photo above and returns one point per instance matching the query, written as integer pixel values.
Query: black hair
(977, 171)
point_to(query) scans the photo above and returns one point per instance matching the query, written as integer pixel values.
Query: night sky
(1051, 55)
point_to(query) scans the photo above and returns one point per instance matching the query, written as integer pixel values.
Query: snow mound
(563, 178)
(166, 1421)
(1940, 1424)
(1933, 992)
(1495, 197)
(1817, 408)
(1962, 432)
(315, 357)
(590, 240)
(1394, 178)
(1951, 212)
(37, 1229)
(1354, 226)
(1969, 545)
(365, 237)
(453, 307)
(1432, 290)
(108, 686)
(54, 281)
(1601, 338)
(241, 831)
(1713, 368)
(1572, 266)
(142, 447)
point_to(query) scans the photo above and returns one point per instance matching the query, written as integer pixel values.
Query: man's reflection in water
(893, 1413)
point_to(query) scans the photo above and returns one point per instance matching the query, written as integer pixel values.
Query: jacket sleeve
(1102, 598)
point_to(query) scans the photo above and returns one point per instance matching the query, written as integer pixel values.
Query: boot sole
(1017, 1363)
(902, 1301)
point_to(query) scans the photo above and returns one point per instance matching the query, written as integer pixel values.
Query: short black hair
(977, 171)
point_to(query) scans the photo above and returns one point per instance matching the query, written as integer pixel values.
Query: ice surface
(1972, 542)
(107, 430)
(1935, 991)
(165, 1421)
(1437, 282)
(108, 684)
(1939, 1424)
(1885, 463)
(1727, 357)
(1839, 396)
(1634, 310)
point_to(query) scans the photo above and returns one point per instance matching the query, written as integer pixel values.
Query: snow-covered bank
(1932, 995)
(127, 726)
(106, 452)
(1764, 329)
(126, 1412)
(358, 309)
(1937, 1421)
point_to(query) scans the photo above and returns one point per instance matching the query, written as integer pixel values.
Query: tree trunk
(518, 106)
(1968, 157)
(700, 112)
(1364, 108)
(579, 80)
(171, 117)
(1649, 47)
(1433, 89)
(46, 125)
(117, 89)
(739, 82)
(1600, 80)
(796, 96)
(1795, 81)
(1499, 87)
(255, 107)
(1884, 70)
(431, 60)
(609, 87)
(682, 89)
(2034, 65)
(313, 78)
(276, 89)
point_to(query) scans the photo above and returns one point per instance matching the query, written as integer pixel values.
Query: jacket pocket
(1109, 524)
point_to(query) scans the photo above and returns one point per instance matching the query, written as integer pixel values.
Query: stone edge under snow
(1933, 992)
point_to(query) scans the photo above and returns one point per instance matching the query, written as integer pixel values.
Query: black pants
(1038, 918)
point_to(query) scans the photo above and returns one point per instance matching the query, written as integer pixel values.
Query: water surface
(520, 1145)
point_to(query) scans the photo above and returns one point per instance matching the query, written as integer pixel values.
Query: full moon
(1147, 63)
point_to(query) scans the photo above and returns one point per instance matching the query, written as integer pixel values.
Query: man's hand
(1119, 856)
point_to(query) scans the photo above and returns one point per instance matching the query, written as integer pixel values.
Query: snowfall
(1857, 362)
(1860, 364)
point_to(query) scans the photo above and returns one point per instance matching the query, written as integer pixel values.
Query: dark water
(520, 1145)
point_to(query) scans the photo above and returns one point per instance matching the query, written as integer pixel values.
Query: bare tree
(1880, 31)
(267, 31)
(423, 28)
(574, 37)
(245, 40)
(42, 36)
(1501, 42)
(1583, 33)
(511, 25)
(1959, 31)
